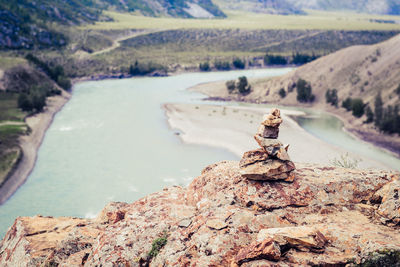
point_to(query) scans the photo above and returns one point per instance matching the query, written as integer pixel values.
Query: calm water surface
(111, 142)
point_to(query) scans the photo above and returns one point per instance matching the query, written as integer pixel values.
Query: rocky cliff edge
(327, 216)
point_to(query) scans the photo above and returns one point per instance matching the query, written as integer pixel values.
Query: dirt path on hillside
(117, 42)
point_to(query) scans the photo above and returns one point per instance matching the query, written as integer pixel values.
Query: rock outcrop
(327, 216)
(272, 161)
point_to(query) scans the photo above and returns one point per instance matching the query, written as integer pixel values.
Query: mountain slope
(286, 7)
(357, 71)
(27, 24)
(388, 7)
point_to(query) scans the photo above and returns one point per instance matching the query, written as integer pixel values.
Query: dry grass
(245, 20)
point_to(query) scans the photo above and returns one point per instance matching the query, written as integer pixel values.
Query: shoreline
(369, 136)
(233, 127)
(30, 144)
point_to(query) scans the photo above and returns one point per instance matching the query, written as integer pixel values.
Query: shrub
(38, 102)
(222, 65)
(204, 66)
(369, 114)
(274, 60)
(144, 68)
(157, 245)
(243, 86)
(378, 103)
(345, 161)
(331, 97)
(299, 59)
(304, 91)
(390, 122)
(238, 63)
(347, 104)
(56, 73)
(357, 107)
(24, 102)
(230, 85)
(64, 82)
(282, 93)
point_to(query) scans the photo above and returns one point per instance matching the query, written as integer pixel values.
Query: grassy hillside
(246, 20)
(282, 7)
(27, 24)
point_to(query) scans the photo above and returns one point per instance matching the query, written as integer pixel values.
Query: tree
(243, 86)
(282, 93)
(274, 60)
(64, 82)
(304, 91)
(238, 63)
(204, 66)
(38, 102)
(24, 102)
(378, 109)
(347, 103)
(369, 114)
(230, 85)
(331, 97)
(222, 65)
(357, 107)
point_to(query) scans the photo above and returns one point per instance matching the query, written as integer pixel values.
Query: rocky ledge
(326, 216)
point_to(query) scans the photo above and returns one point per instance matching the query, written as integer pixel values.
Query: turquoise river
(111, 142)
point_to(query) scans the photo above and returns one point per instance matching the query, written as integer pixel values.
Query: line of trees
(139, 68)
(35, 99)
(386, 119)
(236, 63)
(296, 59)
(56, 73)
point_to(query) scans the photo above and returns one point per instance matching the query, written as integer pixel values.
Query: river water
(111, 142)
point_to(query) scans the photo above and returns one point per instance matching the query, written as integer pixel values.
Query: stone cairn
(271, 161)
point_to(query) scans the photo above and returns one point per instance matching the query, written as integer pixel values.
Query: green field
(11, 127)
(315, 20)
(7, 62)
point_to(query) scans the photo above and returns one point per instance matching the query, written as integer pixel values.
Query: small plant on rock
(345, 161)
(157, 245)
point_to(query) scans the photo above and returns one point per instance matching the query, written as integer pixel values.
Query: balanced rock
(271, 162)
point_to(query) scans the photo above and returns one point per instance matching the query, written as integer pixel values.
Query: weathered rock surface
(326, 216)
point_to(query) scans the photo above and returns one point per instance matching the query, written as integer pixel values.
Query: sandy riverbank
(232, 128)
(355, 127)
(38, 123)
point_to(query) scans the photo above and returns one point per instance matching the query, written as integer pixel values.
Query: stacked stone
(271, 161)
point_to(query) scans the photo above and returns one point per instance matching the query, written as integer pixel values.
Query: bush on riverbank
(241, 85)
(356, 105)
(140, 68)
(304, 91)
(332, 97)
